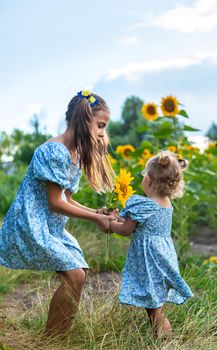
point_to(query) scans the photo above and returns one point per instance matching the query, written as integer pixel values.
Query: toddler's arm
(125, 227)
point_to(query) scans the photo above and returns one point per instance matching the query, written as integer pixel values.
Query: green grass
(102, 323)
(93, 242)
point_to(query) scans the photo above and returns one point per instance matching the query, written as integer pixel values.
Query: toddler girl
(151, 274)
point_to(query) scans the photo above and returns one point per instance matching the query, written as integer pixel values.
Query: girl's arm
(125, 228)
(76, 204)
(102, 210)
(58, 205)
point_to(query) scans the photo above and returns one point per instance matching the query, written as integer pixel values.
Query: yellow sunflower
(125, 151)
(119, 149)
(169, 106)
(172, 149)
(213, 259)
(122, 186)
(111, 159)
(191, 148)
(144, 157)
(149, 111)
(212, 145)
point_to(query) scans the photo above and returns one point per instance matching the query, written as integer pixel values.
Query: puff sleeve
(51, 162)
(75, 180)
(139, 208)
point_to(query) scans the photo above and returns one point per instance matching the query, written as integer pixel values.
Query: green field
(102, 323)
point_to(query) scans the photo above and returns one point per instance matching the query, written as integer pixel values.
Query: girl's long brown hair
(93, 152)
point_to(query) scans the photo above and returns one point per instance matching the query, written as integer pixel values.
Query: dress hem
(156, 306)
(46, 269)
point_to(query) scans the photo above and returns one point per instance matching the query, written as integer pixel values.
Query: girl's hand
(103, 210)
(103, 222)
(106, 211)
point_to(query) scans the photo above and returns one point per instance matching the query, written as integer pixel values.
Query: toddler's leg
(161, 325)
(64, 302)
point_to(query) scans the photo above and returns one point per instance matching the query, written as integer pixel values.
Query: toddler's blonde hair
(166, 173)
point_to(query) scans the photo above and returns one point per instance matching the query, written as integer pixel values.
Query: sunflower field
(165, 128)
(102, 323)
(147, 129)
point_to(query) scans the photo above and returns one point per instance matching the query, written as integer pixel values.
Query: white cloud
(129, 40)
(133, 70)
(199, 141)
(199, 17)
(35, 108)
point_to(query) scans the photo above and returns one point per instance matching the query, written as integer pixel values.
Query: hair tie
(160, 157)
(87, 94)
(163, 158)
(179, 157)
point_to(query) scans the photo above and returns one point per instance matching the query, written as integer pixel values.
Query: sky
(52, 49)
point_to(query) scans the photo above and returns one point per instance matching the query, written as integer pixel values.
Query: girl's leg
(64, 302)
(161, 325)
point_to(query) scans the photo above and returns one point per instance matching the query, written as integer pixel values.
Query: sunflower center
(151, 110)
(127, 152)
(169, 105)
(123, 189)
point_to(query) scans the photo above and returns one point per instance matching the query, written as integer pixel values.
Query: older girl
(33, 234)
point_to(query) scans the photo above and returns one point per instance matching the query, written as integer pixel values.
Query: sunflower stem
(176, 133)
(107, 249)
(124, 190)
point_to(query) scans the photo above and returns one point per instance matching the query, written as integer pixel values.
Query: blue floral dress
(33, 237)
(151, 274)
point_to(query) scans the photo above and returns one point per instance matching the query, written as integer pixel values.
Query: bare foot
(162, 328)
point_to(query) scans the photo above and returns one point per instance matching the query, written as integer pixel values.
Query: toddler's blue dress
(32, 236)
(151, 274)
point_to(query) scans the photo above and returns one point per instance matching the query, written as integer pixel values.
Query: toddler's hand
(114, 213)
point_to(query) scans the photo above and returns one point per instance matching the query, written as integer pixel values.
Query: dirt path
(24, 300)
(204, 242)
(24, 297)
